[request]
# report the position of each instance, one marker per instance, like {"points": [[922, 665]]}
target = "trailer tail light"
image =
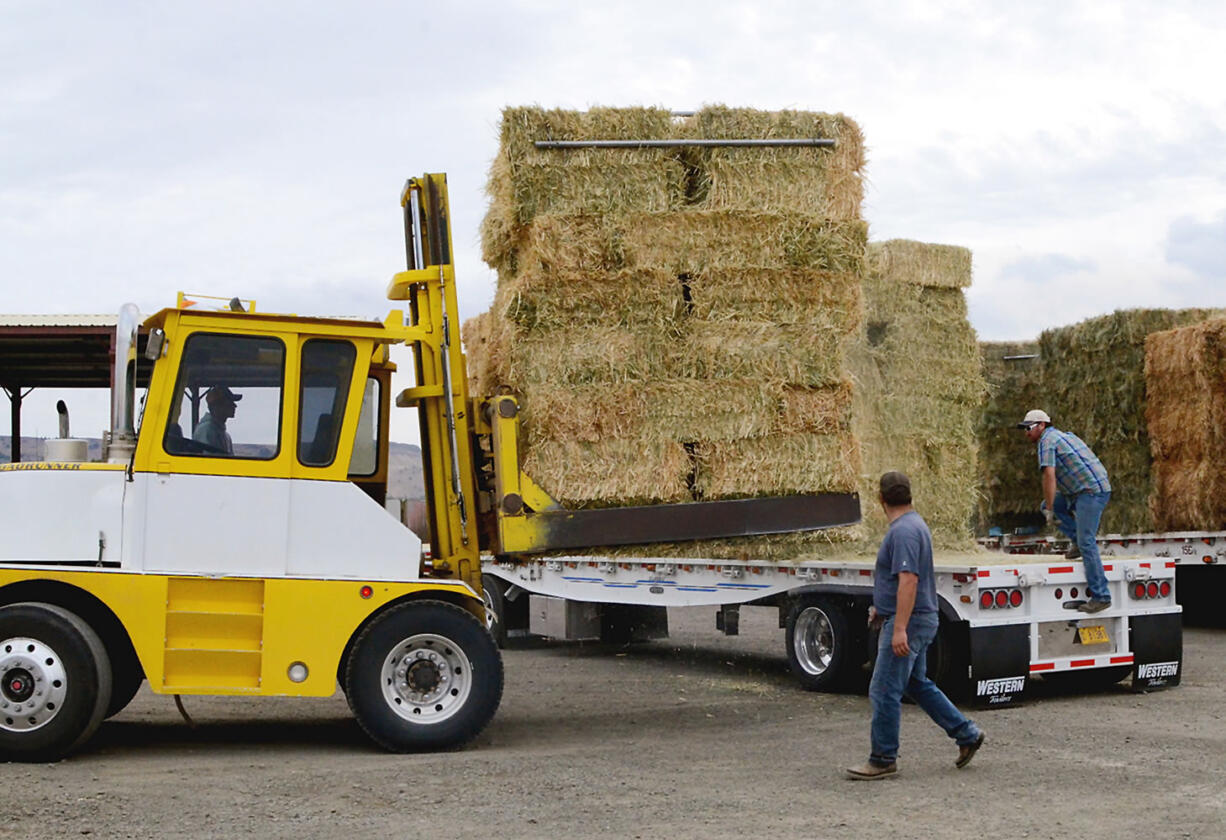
{"points": [[1000, 598], [1152, 589], [1164, 588], [1138, 590]]}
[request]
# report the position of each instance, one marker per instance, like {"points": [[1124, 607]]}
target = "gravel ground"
{"points": [[696, 736]]}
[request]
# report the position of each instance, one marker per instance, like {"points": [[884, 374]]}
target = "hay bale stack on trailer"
{"points": [[1185, 411], [674, 320], [1093, 384], [1008, 496], [919, 383]]}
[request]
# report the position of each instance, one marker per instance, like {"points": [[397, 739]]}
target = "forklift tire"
{"points": [[819, 643], [495, 608], [424, 675], [55, 682], [123, 689]]}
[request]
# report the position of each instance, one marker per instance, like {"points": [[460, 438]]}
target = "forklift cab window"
{"points": [[227, 402], [327, 370], [365, 458]]}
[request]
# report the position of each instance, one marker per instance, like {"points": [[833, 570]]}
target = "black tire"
{"points": [[820, 644], [124, 685], [492, 590], [55, 682], [424, 675]]}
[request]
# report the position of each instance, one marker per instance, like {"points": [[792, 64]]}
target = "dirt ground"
{"points": [[696, 736]]}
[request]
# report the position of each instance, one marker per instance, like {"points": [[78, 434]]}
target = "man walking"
{"points": [[905, 609], [1075, 492]]}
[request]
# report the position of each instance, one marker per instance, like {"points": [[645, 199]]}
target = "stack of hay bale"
{"points": [[1185, 381], [674, 320], [1009, 491], [1093, 384], [919, 383]]}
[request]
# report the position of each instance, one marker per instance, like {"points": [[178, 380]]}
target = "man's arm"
{"points": [[908, 584], [1049, 487]]}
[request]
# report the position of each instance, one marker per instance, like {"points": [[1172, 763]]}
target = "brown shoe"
{"points": [[868, 771], [1093, 606], [967, 752], [1073, 553]]}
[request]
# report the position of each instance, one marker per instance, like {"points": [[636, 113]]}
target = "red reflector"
{"points": [[1002, 598], [1072, 593], [1138, 590], [1152, 589], [1015, 598], [1043, 666], [1059, 593], [1060, 570], [1206, 559], [985, 599], [1164, 588], [366, 592], [1081, 663]]}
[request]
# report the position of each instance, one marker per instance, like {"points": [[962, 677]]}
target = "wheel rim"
{"points": [[814, 640], [426, 679], [33, 684], [491, 617]]}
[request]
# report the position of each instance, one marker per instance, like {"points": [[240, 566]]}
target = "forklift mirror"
{"points": [[155, 345]]}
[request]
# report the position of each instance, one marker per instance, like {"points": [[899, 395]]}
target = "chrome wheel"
{"points": [[426, 678], [814, 640], [33, 684]]}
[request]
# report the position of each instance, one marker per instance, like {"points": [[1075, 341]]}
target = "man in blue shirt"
{"points": [[1075, 492], [905, 610]]}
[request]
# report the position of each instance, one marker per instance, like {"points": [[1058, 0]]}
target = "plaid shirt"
{"points": [[1078, 470]]}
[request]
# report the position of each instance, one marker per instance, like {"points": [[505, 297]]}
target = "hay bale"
{"points": [[923, 263], [919, 385], [1185, 411], [1008, 491], [776, 465], [610, 472], [1093, 384], [822, 182]]}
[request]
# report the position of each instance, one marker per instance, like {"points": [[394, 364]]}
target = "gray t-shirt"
{"points": [[907, 547]]}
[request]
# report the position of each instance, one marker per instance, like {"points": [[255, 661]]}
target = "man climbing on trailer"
{"points": [[1075, 492], [905, 611]]}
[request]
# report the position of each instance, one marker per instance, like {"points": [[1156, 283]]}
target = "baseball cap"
{"points": [[1035, 415], [215, 394]]}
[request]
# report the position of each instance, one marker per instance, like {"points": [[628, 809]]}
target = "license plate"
{"points": [[1094, 634]]}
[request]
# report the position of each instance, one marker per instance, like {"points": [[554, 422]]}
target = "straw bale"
{"points": [[777, 465], [777, 295], [1008, 487], [922, 263], [526, 182], [536, 300], [820, 411], [818, 181], [1093, 384], [614, 471], [1185, 380], [587, 355], [804, 354]]}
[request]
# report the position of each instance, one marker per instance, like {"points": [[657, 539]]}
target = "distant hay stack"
{"points": [[1185, 381], [920, 383], [1009, 491], [1094, 385], [674, 321]]}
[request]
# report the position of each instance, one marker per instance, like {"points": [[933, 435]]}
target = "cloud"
{"points": [[1198, 245], [1045, 268]]}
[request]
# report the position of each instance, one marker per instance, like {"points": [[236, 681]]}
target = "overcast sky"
{"points": [[258, 148]]}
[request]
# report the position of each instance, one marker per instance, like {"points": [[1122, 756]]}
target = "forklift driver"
{"points": [[211, 430]]}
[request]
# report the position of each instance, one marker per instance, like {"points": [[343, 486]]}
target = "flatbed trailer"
{"points": [[1005, 620], [1199, 558]]}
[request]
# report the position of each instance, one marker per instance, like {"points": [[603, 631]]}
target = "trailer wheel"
{"points": [[55, 682], [495, 608], [424, 675], [819, 643], [123, 689]]}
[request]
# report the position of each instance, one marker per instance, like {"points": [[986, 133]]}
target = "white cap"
{"points": [[1035, 415]]}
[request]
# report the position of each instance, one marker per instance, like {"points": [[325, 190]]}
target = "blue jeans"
{"points": [[1079, 517], [894, 676]]}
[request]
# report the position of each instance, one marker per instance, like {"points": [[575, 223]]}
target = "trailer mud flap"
{"points": [[1157, 649], [1000, 664]]}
